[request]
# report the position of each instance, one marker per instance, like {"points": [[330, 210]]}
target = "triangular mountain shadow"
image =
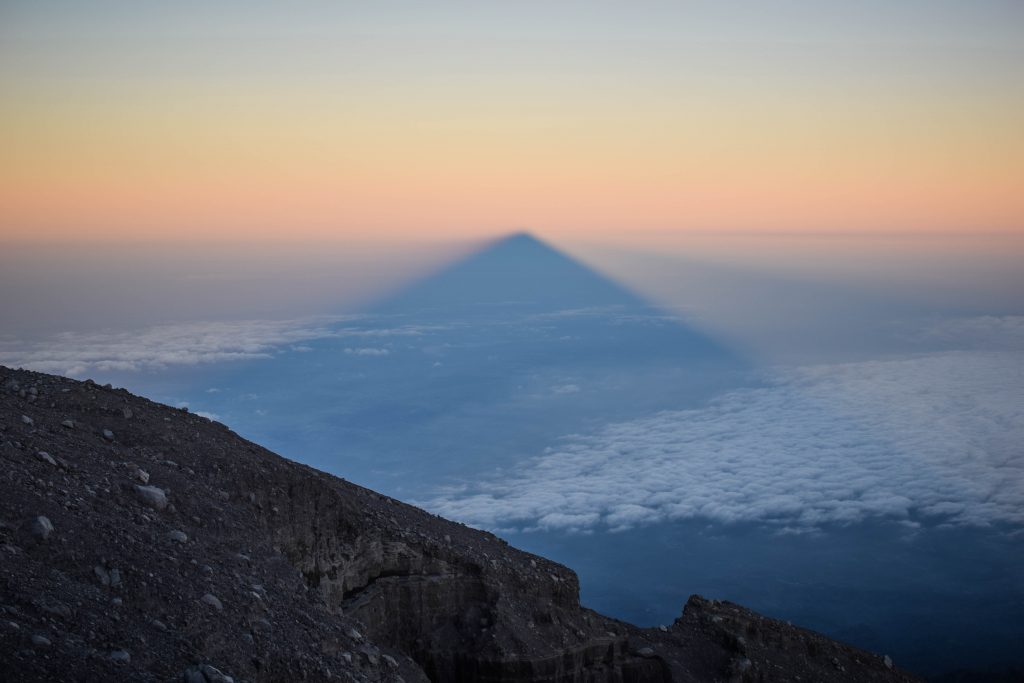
{"points": [[522, 281], [518, 272], [493, 357]]}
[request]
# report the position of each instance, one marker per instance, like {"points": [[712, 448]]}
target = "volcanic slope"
{"points": [[141, 542]]}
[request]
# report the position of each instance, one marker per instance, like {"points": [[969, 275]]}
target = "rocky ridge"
{"points": [[141, 542]]}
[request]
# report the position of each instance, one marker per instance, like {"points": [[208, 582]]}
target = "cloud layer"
{"points": [[77, 354], [154, 348], [937, 439], [987, 332], [934, 438]]}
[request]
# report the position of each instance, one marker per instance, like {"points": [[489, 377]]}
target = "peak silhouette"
{"points": [[519, 271]]}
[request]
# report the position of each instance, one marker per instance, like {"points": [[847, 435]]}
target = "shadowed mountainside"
{"points": [[141, 542]]}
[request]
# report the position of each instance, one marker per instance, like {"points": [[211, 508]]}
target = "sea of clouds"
{"points": [[933, 438], [79, 354]]}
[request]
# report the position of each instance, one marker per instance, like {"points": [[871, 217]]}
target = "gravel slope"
{"points": [[140, 542]]}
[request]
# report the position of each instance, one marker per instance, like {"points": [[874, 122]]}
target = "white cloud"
{"points": [[937, 438], [78, 354], [585, 312], [988, 332], [401, 331], [367, 352], [615, 315]]}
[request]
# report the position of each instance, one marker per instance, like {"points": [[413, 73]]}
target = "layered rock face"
{"points": [[140, 542]]}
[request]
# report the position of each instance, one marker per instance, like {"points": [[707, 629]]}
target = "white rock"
{"points": [[177, 536], [25, 419], [109, 436], [151, 496], [212, 601], [215, 675], [102, 574], [46, 457], [41, 527]]}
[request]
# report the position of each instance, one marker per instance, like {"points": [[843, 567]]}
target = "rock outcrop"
{"points": [[155, 545]]}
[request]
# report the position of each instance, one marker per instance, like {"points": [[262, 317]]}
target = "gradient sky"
{"points": [[251, 120]]}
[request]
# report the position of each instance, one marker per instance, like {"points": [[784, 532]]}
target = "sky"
{"points": [[236, 121]]}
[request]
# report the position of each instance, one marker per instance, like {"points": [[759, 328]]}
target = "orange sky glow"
{"points": [[576, 141]]}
